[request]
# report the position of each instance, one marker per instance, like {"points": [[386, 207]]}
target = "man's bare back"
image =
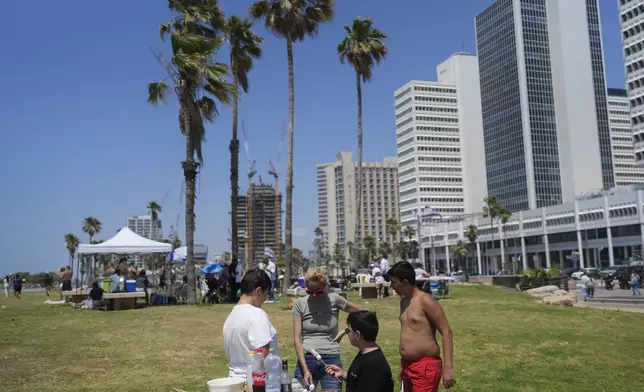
{"points": [[417, 335]]}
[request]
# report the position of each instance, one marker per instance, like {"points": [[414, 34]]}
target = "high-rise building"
{"points": [[439, 136], [543, 95], [632, 19], [142, 225], [626, 172], [337, 200], [258, 222]]}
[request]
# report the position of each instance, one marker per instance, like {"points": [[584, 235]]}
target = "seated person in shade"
{"points": [[142, 284], [369, 371], [95, 296], [114, 278]]}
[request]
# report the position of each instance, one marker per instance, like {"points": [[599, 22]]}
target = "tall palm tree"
{"points": [[472, 234], [460, 250], [369, 246], [392, 227], [195, 36], [154, 209], [384, 248], [491, 209], [244, 48], [92, 226], [504, 217], [293, 20], [71, 243], [362, 48], [402, 248]]}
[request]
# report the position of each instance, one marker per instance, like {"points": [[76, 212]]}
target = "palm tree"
{"points": [[504, 217], [384, 248], [491, 209], [91, 226], [194, 36], [293, 20], [472, 234], [363, 47], [244, 48], [352, 251], [460, 250], [338, 255], [402, 249], [71, 242], [154, 209], [409, 232], [392, 227], [176, 242], [369, 246]]}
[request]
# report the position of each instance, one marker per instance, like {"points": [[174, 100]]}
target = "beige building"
{"points": [[621, 138], [337, 199]]}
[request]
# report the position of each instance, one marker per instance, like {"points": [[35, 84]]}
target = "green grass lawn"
{"points": [[503, 342]]}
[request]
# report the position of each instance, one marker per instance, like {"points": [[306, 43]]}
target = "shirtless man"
{"points": [[420, 316]]}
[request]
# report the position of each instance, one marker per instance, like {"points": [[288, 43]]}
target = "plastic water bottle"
{"points": [[285, 380], [273, 365], [259, 371], [249, 369]]}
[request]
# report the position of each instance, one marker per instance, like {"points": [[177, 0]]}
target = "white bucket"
{"points": [[227, 385]]}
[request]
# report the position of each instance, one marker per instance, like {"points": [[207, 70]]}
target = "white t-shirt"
{"points": [[376, 271], [246, 328], [271, 269], [384, 265], [380, 279], [239, 271]]}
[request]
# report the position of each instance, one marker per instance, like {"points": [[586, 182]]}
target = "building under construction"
{"points": [[259, 218]]}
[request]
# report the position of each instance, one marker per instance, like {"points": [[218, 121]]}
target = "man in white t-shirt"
{"points": [[384, 268], [271, 270], [247, 327]]}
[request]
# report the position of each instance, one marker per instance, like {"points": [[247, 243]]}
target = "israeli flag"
{"points": [[269, 253]]}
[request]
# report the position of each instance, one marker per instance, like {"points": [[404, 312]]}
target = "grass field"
{"points": [[503, 342]]}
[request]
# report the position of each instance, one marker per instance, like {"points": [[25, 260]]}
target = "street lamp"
{"points": [[426, 213]]}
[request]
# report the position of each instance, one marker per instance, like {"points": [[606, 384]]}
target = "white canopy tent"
{"points": [[128, 242]]}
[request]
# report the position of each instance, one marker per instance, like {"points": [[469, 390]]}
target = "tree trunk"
{"points": [[190, 174], [490, 257], [288, 225], [234, 174], [358, 206]]}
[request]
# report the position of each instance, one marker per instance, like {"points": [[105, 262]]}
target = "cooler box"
{"points": [[300, 282], [106, 285], [130, 286]]}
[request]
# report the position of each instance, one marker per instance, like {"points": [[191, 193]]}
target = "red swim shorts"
{"points": [[422, 375]]}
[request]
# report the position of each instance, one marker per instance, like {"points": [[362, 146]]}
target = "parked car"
{"points": [[591, 272], [459, 276], [569, 271], [608, 273]]}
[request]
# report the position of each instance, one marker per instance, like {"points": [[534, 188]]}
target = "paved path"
{"points": [[616, 299]]}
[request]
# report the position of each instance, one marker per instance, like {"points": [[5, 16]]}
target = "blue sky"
{"points": [[80, 140]]}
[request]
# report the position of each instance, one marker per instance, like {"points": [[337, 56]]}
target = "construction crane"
{"points": [[249, 200], [274, 171]]}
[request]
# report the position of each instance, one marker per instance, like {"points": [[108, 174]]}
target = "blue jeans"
{"points": [[271, 292], [636, 287], [320, 378]]}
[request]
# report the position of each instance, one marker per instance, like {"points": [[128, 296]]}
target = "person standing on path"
{"points": [[421, 316], [17, 286], [271, 269], [315, 326], [384, 269], [635, 283]]}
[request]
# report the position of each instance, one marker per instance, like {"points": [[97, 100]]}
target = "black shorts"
{"points": [[67, 285], [17, 289]]}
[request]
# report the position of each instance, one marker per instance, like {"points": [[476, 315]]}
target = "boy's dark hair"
{"points": [[253, 279], [402, 270], [94, 284], [366, 322]]}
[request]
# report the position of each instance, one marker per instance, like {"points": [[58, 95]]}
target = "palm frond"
{"points": [[157, 91], [208, 108]]}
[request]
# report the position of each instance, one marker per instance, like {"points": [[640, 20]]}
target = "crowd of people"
{"points": [[316, 330]]}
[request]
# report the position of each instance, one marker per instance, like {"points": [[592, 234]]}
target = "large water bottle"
{"points": [[273, 365]]}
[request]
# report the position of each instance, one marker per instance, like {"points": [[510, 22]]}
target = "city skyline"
{"points": [[82, 168]]}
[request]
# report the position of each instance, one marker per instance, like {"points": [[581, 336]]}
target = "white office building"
{"points": [[543, 95], [337, 200], [632, 19], [439, 137], [621, 137], [142, 225]]}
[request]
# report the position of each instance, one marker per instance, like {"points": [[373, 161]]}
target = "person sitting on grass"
{"points": [[369, 371], [95, 296]]}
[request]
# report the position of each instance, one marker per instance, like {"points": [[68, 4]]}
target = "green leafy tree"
{"points": [[293, 20], [370, 247], [91, 226], [195, 35], [472, 234], [362, 47], [491, 208], [392, 227], [244, 49], [71, 243]]}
